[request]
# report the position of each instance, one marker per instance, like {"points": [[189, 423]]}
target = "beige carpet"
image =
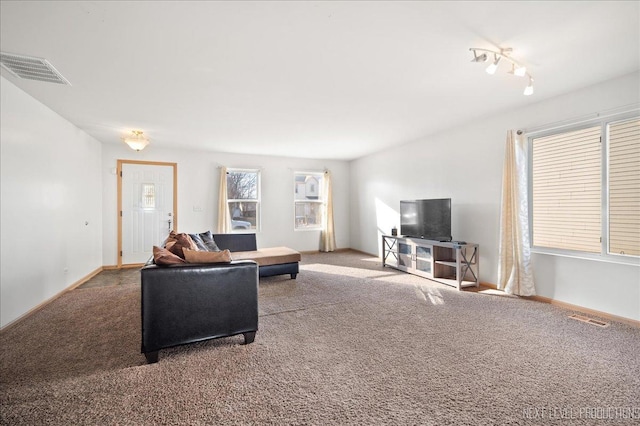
{"points": [[348, 342]]}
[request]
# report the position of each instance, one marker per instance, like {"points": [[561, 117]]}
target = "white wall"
{"points": [[466, 164], [54, 178], [51, 209], [198, 180]]}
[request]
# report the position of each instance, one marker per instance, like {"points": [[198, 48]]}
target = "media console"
{"points": [[452, 263]]}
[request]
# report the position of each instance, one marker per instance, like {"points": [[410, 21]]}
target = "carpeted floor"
{"points": [[348, 342]]}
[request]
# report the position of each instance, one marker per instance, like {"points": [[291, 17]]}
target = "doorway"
{"points": [[147, 208]]}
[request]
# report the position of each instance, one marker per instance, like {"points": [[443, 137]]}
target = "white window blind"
{"points": [[624, 187], [566, 190]]}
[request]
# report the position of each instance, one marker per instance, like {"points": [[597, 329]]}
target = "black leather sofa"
{"points": [[184, 304]]}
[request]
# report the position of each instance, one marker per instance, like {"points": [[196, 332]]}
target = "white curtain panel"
{"points": [[224, 218], [515, 274], [327, 235]]}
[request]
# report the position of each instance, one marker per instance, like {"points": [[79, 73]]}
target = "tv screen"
{"points": [[428, 219]]}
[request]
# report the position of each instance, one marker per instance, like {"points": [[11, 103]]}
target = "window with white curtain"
{"points": [[308, 200], [585, 189], [243, 199]]}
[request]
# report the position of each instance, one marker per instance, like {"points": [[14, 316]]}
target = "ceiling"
{"points": [[331, 80]]}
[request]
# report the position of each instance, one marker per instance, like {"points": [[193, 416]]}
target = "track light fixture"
{"points": [[479, 58], [480, 55], [529, 89], [491, 69]]}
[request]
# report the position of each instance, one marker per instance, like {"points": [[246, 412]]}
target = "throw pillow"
{"points": [[182, 241], [197, 239], [192, 256], [207, 238], [171, 239], [163, 256]]}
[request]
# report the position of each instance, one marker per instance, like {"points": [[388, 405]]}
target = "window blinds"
{"points": [[566, 190], [624, 187]]}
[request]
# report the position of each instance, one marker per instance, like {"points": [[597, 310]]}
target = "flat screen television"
{"points": [[428, 219]]}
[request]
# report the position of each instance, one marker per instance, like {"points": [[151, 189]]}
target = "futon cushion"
{"points": [[268, 256], [192, 256]]}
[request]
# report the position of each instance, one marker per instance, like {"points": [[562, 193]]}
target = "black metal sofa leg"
{"points": [[249, 337], [152, 357]]}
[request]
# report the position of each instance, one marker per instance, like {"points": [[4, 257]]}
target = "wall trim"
{"points": [[340, 250], [51, 299], [571, 307], [127, 266]]}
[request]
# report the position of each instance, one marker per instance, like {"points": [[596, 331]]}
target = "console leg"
{"points": [[249, 337], [152, 357], [293, 276]]}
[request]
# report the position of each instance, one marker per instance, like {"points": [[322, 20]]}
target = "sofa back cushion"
{"points": [[236, 242]]}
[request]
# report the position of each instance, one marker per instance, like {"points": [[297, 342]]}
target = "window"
{"points": [[624, 187], [585, 189], [243, 199], [148, 196], [308, 200]]}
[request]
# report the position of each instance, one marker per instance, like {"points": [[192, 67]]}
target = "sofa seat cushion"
{"points": [[268, 256]]}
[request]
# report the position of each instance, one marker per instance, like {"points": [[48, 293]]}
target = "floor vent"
{"points": [[589, 320], [31, 68]]}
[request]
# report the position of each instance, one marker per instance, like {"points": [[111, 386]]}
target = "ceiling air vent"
{"points": [[31, 68]]}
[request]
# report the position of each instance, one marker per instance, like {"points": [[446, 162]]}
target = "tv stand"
{"points": [[452, 263]]}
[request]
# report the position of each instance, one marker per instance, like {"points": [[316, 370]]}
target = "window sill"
{"points": [[621, 260]]}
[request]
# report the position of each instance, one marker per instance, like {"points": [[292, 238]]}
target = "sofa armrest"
{"points": [[190, 303]]}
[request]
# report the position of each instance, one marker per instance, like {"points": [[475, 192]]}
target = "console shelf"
{"points": [[448, 263]]}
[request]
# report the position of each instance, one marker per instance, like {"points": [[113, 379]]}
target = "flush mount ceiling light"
{"points": [[517, 69], [136, 140]]}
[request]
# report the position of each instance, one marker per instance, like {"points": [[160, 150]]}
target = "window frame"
{"points": [[322, 201], [603, 122], [257, 200]]}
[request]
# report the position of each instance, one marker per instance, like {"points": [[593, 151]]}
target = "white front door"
{"points": [[147, 209]]}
